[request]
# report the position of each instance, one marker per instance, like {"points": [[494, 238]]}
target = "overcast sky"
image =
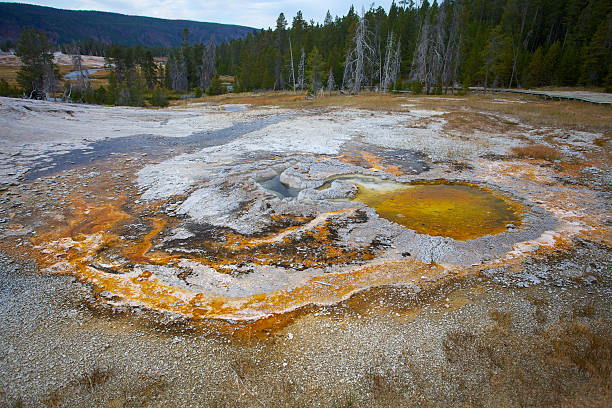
{"points": [[255, 13]]}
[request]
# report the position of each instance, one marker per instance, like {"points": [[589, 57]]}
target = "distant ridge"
{"points": [[63, 26]]}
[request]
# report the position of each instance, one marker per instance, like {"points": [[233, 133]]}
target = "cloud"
{"points": [[256, 13]]}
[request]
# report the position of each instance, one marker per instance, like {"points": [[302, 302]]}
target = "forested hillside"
{"points": [[506, 43], [65, 26]]}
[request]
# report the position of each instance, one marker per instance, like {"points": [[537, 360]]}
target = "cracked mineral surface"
{"points": [[244, 218]]}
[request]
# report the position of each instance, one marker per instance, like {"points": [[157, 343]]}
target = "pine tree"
{"points": [[608, 81], [596, 57], [149, 69], [328, 19], [315, 70], [38, 73], [551, 63], [537, 69], [281, 24], [491, 55], [568, 70]]}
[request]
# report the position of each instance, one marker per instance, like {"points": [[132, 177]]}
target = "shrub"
{"points": [[99, 96], [76, 95], [437, 90], [536, 151], [159, 97], [216, 87], [197, 92], [608, 81], [416, 88], [465, 86], [7, 90], [398, 85]]}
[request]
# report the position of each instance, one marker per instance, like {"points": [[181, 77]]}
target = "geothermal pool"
{"points": [[456, 210]]}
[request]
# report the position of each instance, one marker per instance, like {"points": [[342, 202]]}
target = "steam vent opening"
{"points": [[456, 210], [276, 187]]}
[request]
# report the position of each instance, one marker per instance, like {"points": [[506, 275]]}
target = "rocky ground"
{"points": [[213, 254]]}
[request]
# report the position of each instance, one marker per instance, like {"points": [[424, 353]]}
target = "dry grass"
{"points": [[243, 367], [290, 100], [536, 151], [384, 387], [565, 363], [140, 391], [547, 369], [64, 69], [88, 381], [535, 111], [570, 114], [468, 122], [501, 318], [9, 74], [583, 310], [344, 402]]}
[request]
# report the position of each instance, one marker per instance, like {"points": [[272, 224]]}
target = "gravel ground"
{"points": [[460, 344]]}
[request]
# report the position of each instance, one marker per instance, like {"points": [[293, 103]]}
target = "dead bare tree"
{"points": [[208, 69], [397, 61], [49, 81], [77, 66], [177, 71], [391, 67], [451, 51], [520, 38], [437, 53], [301, 69], [292, 69], [421, 69], [377, 66], [330, 81], [359, 58]]}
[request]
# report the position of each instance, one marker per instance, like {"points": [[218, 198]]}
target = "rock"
{"points": [[311, 173], [337, 189]]}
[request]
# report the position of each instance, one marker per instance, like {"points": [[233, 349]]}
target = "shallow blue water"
{"points": [[75, 74]]}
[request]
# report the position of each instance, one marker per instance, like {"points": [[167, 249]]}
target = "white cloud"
{"points": [[258, 14]]}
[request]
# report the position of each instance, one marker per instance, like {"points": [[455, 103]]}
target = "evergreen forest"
{"points": [[424, 47], [495, 43]]}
